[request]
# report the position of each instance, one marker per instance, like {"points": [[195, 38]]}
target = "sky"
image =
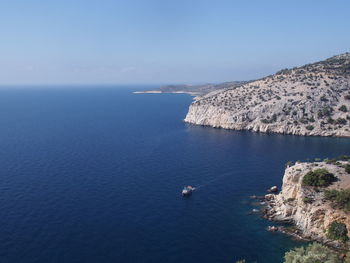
{"points": [[164, 42]]}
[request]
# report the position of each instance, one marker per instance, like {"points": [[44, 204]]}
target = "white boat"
{"points": [[187, 190]]}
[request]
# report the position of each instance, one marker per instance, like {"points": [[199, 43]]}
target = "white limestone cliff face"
{"points": [[313, 219], [310, 100]]}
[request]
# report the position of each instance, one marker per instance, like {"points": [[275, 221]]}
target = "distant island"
{"points": [[194, 90], [310, 100]]}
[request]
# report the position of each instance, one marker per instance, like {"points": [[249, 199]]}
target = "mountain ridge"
{"points": [[194, 90]]}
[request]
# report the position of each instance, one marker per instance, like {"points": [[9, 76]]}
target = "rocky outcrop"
{"points": [[309, 100], [305, 206]]}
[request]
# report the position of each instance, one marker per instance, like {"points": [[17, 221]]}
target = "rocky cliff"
{"points": [[307, 206], [309, 100]]}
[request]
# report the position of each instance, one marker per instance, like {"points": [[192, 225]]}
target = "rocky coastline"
{"points": [[311, 100], [306, 208]]}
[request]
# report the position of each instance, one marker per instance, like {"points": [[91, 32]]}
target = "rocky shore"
{"points": [[306, 207], [311, 100]]}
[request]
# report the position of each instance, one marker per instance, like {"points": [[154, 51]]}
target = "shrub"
{"points": [[289, 163], [341, 121], [310, 127], [323, 98], [347, 168], [343, 108], [313, 253], [331, 161], [340, 158], [282, 71], [338, 231], [330, 120], [341, 198], [343, 158], [325, 112], [304, 121], [319, 177], [308, 200], [273, 119]]}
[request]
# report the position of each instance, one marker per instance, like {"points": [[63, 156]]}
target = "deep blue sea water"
{"points": [[94, 175]]}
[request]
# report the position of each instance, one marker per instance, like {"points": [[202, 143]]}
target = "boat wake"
{"points": [[213, 180]]}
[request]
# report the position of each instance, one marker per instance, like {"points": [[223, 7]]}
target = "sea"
{"points": [[95, 173]]}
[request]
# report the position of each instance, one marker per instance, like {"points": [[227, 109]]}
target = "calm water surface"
{"points": [[95, 174]]}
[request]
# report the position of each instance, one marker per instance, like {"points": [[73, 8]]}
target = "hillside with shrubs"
{"points": [[310, 100], [315, 198]]}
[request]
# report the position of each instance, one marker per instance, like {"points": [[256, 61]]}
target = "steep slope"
{"points": [[307, 207], [309, 100]]}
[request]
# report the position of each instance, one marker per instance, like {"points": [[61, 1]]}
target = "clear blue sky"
{"points": [[161, 41]]}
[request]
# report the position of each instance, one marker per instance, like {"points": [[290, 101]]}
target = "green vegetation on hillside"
{"points": [[313, 253], [341, 198], [347, 168], [343, 108], [310, 127], [289, 163], [319, 177], [338, 231], [308, 200], [340, 158]]}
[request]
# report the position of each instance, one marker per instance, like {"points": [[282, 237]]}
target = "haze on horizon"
{"points": [[162, 41]]}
